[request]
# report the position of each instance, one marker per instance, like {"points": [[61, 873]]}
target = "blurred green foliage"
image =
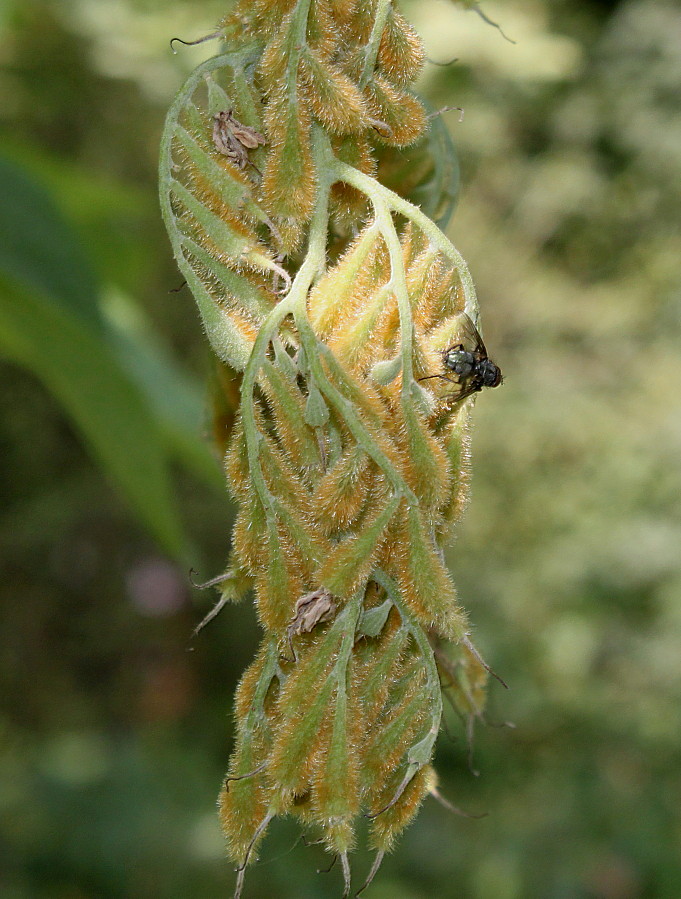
{"points": [[114, 723]]}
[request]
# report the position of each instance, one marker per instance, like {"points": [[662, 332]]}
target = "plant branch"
{"points": [[378, 192], [372, 48]]}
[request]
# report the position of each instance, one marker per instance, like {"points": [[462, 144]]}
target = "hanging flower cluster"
{"points": [[349, 455]]}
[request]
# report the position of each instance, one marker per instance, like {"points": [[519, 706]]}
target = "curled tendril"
{"points": [[200, 40]]}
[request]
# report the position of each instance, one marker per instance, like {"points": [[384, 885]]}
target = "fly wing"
{"points": [[465, 337], [470, 338], [463, 387], [466, 388]]}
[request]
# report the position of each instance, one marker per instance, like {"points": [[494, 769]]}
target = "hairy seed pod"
{"points": [[401, 116], [401, 55], [334, 99]]}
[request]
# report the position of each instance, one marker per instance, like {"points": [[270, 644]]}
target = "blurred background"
{"points": [[115, 724]]}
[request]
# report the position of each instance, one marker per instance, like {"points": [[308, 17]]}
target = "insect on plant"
{"points": [[469, 363]]}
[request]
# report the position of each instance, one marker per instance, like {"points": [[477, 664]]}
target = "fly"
{"points": [[470, 366]]}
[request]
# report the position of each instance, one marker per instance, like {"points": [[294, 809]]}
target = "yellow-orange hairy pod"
{"points": [[336, 101], [353, 321], [400, 55]]}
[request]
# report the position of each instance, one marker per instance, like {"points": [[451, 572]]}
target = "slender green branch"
{"points": [[256, 713], [421, 638], [398, 278], [372, 48], [353, 611], [346, 409], [298, 31], [420, 753], [293, 302], [376, 191]]}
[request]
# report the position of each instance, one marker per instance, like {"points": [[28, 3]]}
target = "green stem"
{"points": [[352, 612], [377, 192], [299, 33], [398, 279], [256, 714], [347, 410], [372, 48], [293, 302], [314, 263], [426, 650]]}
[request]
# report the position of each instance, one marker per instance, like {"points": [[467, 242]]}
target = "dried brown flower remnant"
{"points": [[312, 609], [233, 139]]}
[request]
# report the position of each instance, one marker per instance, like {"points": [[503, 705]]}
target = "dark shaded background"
{"points": [[115, 724]]}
